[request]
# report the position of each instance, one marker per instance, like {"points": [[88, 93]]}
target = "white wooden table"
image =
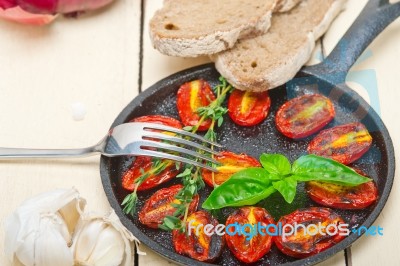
{"points": [[99, 63]]}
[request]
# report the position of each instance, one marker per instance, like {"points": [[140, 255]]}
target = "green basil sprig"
{"points": [[252, 185]]}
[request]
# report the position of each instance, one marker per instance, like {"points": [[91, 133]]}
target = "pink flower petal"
{"points": [[17, 14]]}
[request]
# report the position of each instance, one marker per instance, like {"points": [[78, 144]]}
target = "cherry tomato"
{"points": [[191, 96], [158, 173], [304, 116], [245, 250], [159, 119], [165, 171], [159, 205], [230, 164], [345, 143], [343, 197], [324, 229], [195, 243], [248, 108]]}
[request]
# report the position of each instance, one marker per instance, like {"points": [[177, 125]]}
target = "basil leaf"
{"points": [[316, 168], [275, 164], [246, 187], [287, 188]]}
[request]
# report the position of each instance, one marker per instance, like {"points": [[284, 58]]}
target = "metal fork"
{"points": [[138, 139]]}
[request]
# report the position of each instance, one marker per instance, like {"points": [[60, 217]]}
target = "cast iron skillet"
{"points": [[326, 78]]}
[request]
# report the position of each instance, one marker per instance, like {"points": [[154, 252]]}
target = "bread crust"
{"points": [[285, 5], [284, 66]]}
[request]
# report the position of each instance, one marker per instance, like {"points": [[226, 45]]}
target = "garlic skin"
{"points": [[39, 232], [102, 241]]}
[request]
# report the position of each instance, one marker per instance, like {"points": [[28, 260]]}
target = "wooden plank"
{"points": [[340, 25], [152, 258], [48, 75], [336, 260]]}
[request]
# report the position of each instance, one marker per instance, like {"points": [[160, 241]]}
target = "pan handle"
{"points": [[374, 18]]}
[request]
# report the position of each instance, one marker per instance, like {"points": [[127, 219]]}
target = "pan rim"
{"points": [[180, 259]]}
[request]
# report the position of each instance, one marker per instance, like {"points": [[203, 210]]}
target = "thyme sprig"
{"points": [[130, 201], [191, 176]]}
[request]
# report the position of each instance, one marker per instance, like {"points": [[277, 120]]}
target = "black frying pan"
{"points": [[326, 78]]}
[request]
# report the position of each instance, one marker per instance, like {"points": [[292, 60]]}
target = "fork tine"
{"points": [[178, 131], [176, 158], [160, 145], [161, 136]]}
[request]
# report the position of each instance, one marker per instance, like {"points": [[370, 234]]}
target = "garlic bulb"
{"points": [[51, 229], [102, 241], [39, 232]]}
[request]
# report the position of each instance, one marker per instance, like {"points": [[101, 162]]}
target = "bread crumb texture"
{"points": [[193, 28], [270, 60]]}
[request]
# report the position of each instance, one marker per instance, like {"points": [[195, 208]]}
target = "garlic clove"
{"points": [[86, 239], [128, 238], [109, 250], [61, 226], [114, 245], [71, 213], [50, 246], [46, 244]]}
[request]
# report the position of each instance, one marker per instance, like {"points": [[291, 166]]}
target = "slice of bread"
{"points": [[285, 5], [193, 28], [270, 60]]}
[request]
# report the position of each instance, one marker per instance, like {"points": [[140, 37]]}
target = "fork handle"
{"points": [[16, 153]]}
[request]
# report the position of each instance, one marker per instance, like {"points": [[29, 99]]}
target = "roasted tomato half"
{"points": [[159, 171], [248, 108], [230, 164], [343, 197], [304, 116], [345, 143], [191, 96], [159, 205], [306, 232], [195, 243], [159, 119], [249, 248]]}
